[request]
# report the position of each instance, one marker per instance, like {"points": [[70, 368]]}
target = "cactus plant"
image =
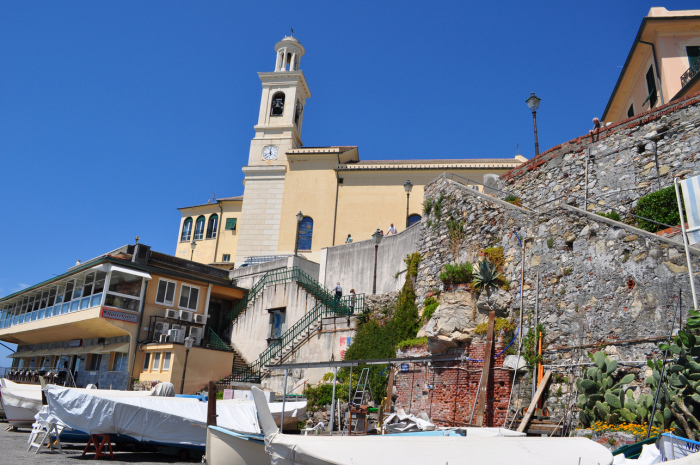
{"points": [[603, 398], [678, 406]]}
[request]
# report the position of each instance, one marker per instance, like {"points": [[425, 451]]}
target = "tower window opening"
{"points": [[298, 112], [277, 104]]}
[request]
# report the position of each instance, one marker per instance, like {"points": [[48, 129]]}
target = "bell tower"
{"points": [[281, 116]]}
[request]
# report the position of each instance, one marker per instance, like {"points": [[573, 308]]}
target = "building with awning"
{"points": [[122, 316]]}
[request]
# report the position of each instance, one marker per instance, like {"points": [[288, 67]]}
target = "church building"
{"points": [[301, 199]]}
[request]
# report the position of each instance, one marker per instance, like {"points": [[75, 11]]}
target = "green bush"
{"points": [[427, 206], [429, 309], [457, 274], [659, 206], [373, 340], [413, 342], [613, 215]]}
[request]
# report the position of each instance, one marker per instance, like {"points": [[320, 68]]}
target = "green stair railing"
{"points": [[327, 305], [312, 286], [215, 341]]}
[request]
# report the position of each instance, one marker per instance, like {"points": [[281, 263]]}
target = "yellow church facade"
{"points": [[301, 199]]}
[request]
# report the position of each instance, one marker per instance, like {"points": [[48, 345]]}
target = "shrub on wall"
{"points": [[430, 305], [659, 206], [457, 274], [495, 256]]}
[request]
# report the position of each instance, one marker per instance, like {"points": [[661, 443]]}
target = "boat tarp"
{"points": [[26, 396], [420, 450], [169, 420]]}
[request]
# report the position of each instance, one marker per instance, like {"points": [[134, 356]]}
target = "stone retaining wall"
{"points": [[603, 284]]}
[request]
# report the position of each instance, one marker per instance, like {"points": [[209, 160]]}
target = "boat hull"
{"points": [[226, 447], [19, 417]]}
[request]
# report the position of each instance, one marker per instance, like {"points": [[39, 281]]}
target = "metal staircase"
{"points": [[327, 305], [213, 341]]}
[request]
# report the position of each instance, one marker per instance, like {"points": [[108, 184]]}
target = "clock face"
{"points": [[270, 153]]}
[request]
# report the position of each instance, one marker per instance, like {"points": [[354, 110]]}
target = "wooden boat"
{"points": [[226, 447]]}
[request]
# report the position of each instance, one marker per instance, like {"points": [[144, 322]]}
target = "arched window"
{"points": [[413, 219], [277, 104], [199, 229], [213, 226], [306, 232], [186, 230]]}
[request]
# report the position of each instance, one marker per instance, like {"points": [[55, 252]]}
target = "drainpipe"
{"points": [[138, 330], [218, 229], [206, 305], [656, 68]]}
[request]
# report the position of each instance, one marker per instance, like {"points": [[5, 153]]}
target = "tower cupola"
{"points": [[289, 53]]}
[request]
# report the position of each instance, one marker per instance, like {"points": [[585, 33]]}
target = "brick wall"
{"points": [[448, 391]]}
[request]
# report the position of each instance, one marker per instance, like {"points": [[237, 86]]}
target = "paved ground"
{"points": [[13, 450]]}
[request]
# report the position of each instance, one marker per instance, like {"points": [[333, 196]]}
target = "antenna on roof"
{"points": [[292, 31], [212, 199], [517, 148]]}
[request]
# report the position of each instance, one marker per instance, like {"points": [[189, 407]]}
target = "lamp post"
{"points": [[533, 103], [193, 244], [407, 187], [189, 341], [376, 238], [300, 216]]}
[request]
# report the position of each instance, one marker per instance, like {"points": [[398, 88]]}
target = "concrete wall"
{"points": [[246, 277], [353, 264], [330, 343]]}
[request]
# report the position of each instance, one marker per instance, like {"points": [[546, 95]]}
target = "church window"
{"points": [[199, 229], [277, 104], [186, 230], [413, 219], [651, 87], [213, 226], [306, 232]]}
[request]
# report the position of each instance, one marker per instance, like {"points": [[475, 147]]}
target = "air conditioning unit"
{"points": [[185, 315], [196, 333], [171, 313], [163, 338], [175, 326], [162, 327], [200, 319], [176, 335]]}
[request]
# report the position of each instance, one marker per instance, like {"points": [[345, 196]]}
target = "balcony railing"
{"points": [[690, 74]]}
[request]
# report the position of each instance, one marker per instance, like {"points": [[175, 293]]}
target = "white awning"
{"points": [[118, 347], [25, 353], [142, 274]]}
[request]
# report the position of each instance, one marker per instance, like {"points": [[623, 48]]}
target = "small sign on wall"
{"points": [[404, 367], [117, 315], [228, 394]]}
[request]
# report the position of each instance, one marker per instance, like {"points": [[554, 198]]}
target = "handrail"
{"points": [[327, 305], [279, 276], [216, 341]]}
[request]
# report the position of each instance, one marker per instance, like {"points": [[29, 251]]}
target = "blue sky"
{"points": [[114, 114]]}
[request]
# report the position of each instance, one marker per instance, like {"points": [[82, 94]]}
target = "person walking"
{"points": [[338, 291]]}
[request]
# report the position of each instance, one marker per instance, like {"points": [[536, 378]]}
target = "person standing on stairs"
{"points": [[338, 291]]}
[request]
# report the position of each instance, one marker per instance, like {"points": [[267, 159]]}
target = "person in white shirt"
{"points": [[338, 290], [392, 229]]}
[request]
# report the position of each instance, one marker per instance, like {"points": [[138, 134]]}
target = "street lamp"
{"points": [[300, 216], [189, 342], [407, 187], [376, 239], [533, 103], [193, 244]]}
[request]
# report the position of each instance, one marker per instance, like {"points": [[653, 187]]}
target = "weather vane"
{"points": [[292, 31]]}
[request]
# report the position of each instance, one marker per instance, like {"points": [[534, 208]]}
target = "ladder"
{"points": [[361, 387]]}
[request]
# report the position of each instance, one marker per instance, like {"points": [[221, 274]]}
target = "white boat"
{"points": [[20, 402], [225, 447], [421, 450], [162, 420]]}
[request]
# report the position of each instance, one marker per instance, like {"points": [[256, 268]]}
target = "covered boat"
{"points": [[161, 420], [20, 402], [420, 450]]}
